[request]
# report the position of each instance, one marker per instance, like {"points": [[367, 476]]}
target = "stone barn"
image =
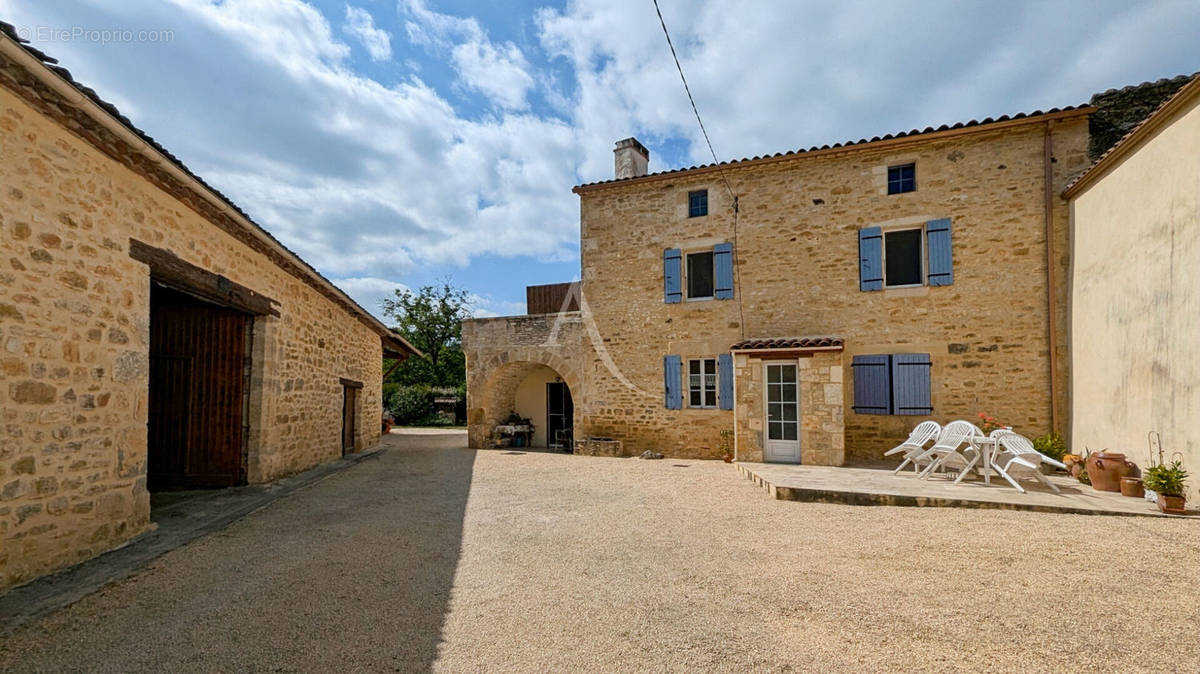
{"points": [[151, 335]]}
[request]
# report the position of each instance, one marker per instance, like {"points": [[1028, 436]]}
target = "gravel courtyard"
{"points": [[435, 557]]}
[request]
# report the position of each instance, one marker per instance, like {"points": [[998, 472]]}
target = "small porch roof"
{"points": [[771, 344]]}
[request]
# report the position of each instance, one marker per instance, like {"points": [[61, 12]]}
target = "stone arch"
{"points": [[492, 385]]}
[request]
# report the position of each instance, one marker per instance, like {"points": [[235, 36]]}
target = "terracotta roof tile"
{"points": [[788, 343], [851, 143]]}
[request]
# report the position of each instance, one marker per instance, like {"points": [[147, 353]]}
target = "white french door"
{"points": [[782, 412]]}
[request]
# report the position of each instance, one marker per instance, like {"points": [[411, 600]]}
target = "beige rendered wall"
{"points": [[531, 400], [1136, 300], [797, 255], [74, 317]]}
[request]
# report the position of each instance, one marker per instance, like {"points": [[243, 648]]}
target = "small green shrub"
{"points": [[1051, 445], [411, 405], [1164, 479]]}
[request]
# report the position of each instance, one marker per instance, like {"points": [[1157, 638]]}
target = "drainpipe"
{"points": [[1051, 286]]}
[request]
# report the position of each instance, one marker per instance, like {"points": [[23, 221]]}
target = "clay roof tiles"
{"points": [[773, 343]]}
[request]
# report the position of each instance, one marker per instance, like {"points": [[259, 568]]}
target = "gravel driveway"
{"points": [[436, 557]]}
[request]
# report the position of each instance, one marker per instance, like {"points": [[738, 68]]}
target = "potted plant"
{"points": [[726, 445], [388, 420], [1051, 445], [1168, 482]]}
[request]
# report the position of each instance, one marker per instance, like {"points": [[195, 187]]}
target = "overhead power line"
{"points": [[692, 100], [737, 268]]}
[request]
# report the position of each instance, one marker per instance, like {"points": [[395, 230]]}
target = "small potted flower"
{"points": [[1168, 482]]}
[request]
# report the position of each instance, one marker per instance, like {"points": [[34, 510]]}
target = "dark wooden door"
{"points": [[560, 410], [349, 417], [197, 392]]}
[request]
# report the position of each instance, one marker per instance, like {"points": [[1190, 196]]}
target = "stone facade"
{"points": [[74, 333], [501, 353], [822, 422], [796, 262]]}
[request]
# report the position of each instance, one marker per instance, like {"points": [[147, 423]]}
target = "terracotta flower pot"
{"points": [[1132, 487], [728, 458], [1106, 470], [1172, 504]]}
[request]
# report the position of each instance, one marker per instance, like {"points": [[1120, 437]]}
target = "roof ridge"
{"points": [[854, 143]]}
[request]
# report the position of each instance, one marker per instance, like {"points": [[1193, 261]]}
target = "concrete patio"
{"points": [[878, 486]]}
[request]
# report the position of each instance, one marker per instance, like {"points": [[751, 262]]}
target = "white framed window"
{"points": [[702, 382], [904, 258]]}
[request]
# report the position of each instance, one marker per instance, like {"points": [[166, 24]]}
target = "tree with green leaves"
{"points": [[431, 320]]}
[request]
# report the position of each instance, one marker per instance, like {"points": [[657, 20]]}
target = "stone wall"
{"points": [[1119, 110], [501, 353], [796, 256], [74, 327], [822, 422]]}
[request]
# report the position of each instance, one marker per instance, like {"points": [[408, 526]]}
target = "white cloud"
{"points": [[359, 178], [370, 292], [376, 41], [769, 78], [498, 71]]}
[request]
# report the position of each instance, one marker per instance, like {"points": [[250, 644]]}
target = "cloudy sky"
{"points": [[398, 142]]}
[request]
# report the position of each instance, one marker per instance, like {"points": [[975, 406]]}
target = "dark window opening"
{"points": [[697, 203], [902, 257], [902, 179], [700, 275]]}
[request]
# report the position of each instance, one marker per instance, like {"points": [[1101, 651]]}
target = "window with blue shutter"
{"points": [[725, 380], [941, 260], [870, 259], [723, 261], [872, 384], [672, 276], [673, 382], [910, 384], [892, 384]]}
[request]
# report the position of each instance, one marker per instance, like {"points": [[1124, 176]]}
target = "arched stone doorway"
{"points": [[539, 386]]}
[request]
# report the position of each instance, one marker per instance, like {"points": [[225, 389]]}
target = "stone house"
{"points": [[818, 303], [151, 335], [1135, 290]]}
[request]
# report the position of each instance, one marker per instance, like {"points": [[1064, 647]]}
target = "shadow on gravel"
{"points": [[353, 573], [431, 549]]}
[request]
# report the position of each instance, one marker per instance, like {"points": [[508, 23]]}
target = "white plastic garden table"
{"points": [[985, 450]]}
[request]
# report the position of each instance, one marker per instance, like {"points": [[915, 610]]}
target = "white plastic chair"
{"points": [[948, 451], [914, 447], [1015, 457]]}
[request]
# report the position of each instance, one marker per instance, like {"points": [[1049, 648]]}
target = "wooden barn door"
{"points": [[198, 380]]}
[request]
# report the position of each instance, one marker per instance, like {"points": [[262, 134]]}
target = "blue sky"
{"points": [[395, 142]]}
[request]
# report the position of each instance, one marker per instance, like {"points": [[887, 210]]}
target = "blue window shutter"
{"points": [[872, 384], [672, 276], [910, 384], [725, 381], [870, 259], [673, 382], [941, 260], [723, 261]]}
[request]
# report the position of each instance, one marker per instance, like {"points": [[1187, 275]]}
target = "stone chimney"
{"points": [[631, 158]]}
